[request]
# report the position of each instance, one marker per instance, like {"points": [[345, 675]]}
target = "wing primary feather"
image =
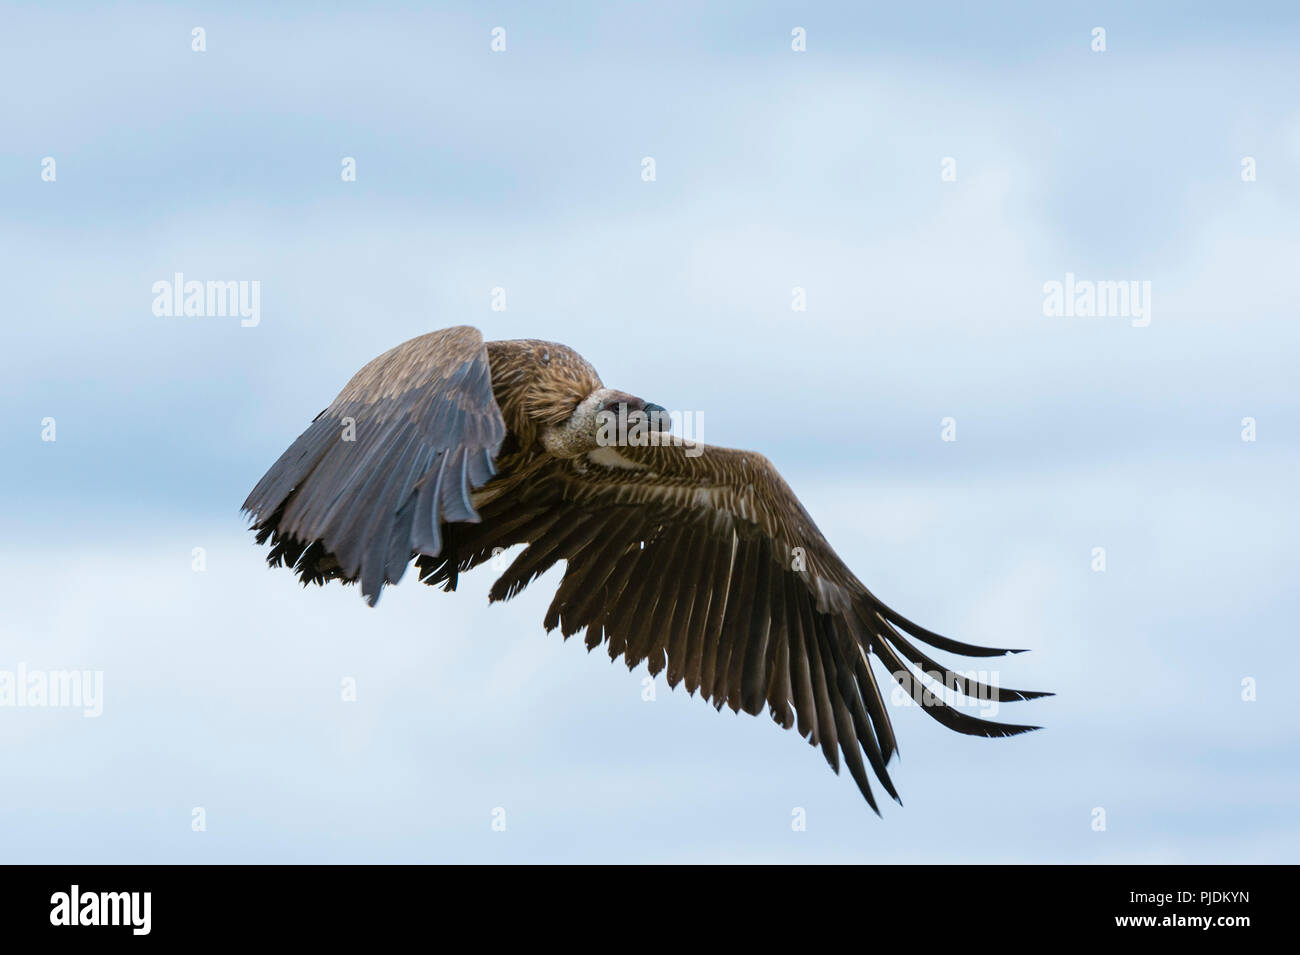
{"points": [[713, 632], [869, 691], [292, 467], [647, 626], [427, 535], [675, 559], [849, 741], [713, 564], [381, 523], [940, 711], [481, 469], [961, 683], [938, 641], [779, 690], [825, 708], [456, 504], [345, 520], [679, 625], [805, 706], [320, 507], [631, 604], [845, 649], [399, 544], [753, 678], [731, 634]]}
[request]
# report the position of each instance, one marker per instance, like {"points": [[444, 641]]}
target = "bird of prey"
{"points": [[698, 560]]}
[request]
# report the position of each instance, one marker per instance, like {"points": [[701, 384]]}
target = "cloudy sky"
{"points": [[522, 170]]}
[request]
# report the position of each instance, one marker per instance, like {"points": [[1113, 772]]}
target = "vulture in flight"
{"points": [[698, 560]]}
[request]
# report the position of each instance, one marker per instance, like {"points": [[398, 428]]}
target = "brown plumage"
{"points": [[698, 560]]}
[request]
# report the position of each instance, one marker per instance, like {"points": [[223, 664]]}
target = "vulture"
{"points": [[699, 561]]}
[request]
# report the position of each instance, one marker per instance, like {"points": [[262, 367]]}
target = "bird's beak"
{"points": [[658, 417]]}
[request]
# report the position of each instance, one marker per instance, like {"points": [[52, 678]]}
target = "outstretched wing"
{"points": [[701, 561], [391, 461]]}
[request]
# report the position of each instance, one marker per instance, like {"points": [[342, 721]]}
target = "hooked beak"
{"points": [[658, 417]]}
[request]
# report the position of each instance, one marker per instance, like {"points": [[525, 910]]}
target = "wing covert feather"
{"points": [[394, 458]]}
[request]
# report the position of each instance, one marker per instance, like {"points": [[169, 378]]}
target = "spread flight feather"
{"points": [[698, 560]]}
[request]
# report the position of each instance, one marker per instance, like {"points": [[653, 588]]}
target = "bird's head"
{"points": [[605, 418]]}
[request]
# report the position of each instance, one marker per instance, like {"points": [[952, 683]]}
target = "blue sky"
{"points": [[774, 169]]}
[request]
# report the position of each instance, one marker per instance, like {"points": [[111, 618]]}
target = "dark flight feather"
{"points": [[698, 561]]}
